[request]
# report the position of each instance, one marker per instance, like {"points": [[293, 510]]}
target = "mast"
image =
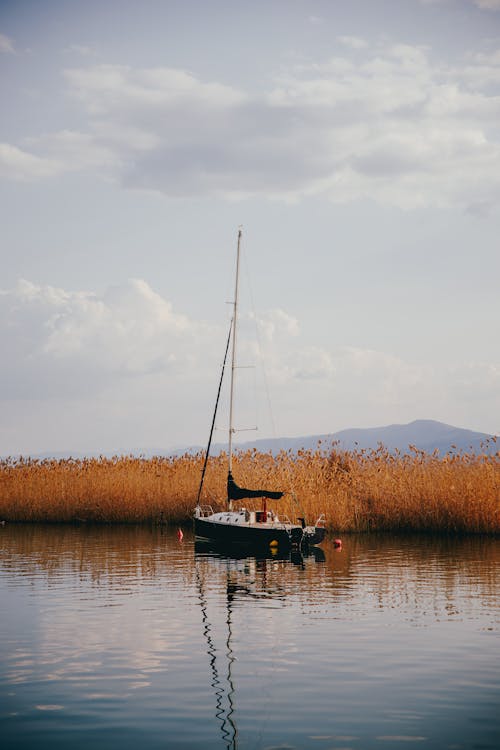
{"points": [[233, 356]]}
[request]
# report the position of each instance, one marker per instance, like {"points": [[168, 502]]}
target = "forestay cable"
{"points": [[215, 414]]}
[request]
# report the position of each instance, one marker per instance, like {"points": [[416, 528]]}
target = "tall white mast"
{"points": [[233, 356]]}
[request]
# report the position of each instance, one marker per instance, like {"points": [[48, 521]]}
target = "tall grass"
{"points": [[357, 491]]}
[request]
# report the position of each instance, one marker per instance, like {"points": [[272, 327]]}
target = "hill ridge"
{"points": [[424, 434]]}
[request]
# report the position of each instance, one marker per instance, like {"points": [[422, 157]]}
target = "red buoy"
{"points": [[180, 535], [337, 543]]}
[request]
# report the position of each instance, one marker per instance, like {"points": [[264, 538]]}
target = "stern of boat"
{"points": [[315, 534]]}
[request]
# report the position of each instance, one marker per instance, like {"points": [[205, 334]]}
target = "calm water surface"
{"points": [[126, 638]]}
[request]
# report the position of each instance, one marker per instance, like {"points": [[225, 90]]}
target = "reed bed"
{"points": [[357, 491]]}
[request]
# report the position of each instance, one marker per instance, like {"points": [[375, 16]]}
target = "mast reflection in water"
{"points": [[224, 696], [239, 581]]}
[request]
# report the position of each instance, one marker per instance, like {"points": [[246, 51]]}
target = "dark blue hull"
{"points": [[256, 537], [314, 535]]}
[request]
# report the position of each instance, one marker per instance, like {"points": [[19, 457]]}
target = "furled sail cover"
{"points": [[238, 493]]}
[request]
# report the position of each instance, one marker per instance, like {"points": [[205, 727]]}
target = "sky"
{"points": [[357, 144]]}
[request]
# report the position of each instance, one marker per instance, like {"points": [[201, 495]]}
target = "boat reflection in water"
{"points": [[245, 576], [218, 551]]}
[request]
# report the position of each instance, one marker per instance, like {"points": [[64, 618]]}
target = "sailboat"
{"points": [[241, 526]]}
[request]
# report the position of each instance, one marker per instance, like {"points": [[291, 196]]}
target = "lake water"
{"points": [[129, 638]]}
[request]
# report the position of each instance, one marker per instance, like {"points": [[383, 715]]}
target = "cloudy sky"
{"points": [[358, 143]]}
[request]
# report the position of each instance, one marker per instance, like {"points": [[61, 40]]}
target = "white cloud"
{"points": [[57, 342], [112, 357], [106, 151], [393, 379], [276, 321], [78, 152], [111, 88], [482, 4], [120, 330], [81, 49], [355, 42], [353, 386], [488, 4], [16, 164], [477, 381], [394, 126], [311, 363], [6, 45]]}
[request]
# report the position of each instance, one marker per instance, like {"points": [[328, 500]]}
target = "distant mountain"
{"points": [[424, 434]]}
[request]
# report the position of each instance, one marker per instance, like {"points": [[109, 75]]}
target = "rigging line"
{"points": [[259, 347], [288, 470], [215, 414]]}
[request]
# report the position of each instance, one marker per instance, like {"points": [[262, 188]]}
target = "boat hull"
{"points": [[314, 535], [257, 536]]}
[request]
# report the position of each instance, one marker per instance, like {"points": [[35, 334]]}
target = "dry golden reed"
{"points": [[356, 490]]}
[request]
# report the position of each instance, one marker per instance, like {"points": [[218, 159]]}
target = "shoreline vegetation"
{"points": [[358, 491]]}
